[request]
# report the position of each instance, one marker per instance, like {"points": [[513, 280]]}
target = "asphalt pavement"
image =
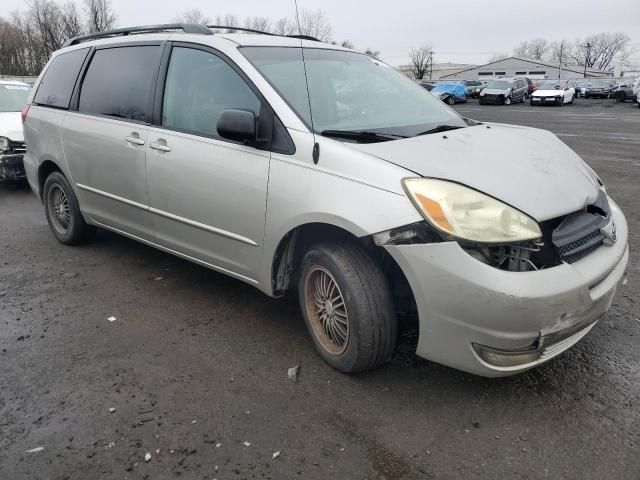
{"points": [[192, 373]]}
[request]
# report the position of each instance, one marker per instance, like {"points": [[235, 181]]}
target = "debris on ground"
{"points": [[624, 282], [147, 456], [70, 275], [35, 450], [293, 373], [247, 444], [218, 445], [275, 455], [112, 319], [112, 410]]}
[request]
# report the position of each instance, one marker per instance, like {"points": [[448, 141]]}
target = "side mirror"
{"points": [[238, 125]]}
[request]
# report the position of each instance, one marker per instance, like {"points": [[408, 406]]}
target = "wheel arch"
{"points": [[292, 246], [45, 169]]}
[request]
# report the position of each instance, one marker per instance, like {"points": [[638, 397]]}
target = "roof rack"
{"points": [[185, 27], [261, 32]]}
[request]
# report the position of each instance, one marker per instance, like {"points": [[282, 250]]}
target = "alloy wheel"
{"points": [[59, 209], [326, 310]]}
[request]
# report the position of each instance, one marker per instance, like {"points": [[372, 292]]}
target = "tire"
{"points": [[450, 100], [365, 326], [506, 101], [63, 213], [620, 97], [587, 96], [573, 97]]}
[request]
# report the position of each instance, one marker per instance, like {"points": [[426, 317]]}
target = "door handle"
{"points": [[159, 146], [136, 140]]}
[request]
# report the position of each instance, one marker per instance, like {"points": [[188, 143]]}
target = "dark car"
{"points": [[599, 88], [623, 92], [531, 87], [474, 87], [505, 91]]}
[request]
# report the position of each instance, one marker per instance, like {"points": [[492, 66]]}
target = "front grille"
{"points": [[574, 251], [579, 233], [17, 148]]}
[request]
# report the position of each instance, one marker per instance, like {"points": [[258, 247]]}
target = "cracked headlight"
{"points": [[467, 214]]}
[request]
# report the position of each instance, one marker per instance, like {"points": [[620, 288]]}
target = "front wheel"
{"points": [[450, 100], [347, 307], [507, 101], [63, 213], [620, 97]]}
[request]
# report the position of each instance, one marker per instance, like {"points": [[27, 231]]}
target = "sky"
{"points": [[462, 31]]}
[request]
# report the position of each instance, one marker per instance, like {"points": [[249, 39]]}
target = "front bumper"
{"points": [[463, 302], [12, 168], [545, 100]]}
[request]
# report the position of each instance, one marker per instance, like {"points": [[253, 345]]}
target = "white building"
{"points": [[438, 71], [523, 67]]}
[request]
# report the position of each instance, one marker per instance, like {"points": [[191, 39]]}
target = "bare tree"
{"points": [[258, 23], [100, 15], [284, 26], [599, 50], [315, 24], [192, 15], [230, 20], [71, 20], [559, 53], [347, 44], [421, 60], [535, 49], [373, 53]]}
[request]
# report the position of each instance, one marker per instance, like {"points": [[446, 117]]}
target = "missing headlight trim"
{"points": [[419, 232], [520, 257]]}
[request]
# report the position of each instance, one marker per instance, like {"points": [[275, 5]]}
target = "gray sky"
{"points": [[466, 31]]}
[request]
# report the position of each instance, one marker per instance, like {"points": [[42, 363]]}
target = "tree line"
{"points": [[29, 36], [597, 51]]}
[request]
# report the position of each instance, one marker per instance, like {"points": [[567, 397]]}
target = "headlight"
{"points": [[467, 214], [4, 144]]}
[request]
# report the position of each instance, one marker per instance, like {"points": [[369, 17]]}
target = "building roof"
{"points": [[570, 68]]}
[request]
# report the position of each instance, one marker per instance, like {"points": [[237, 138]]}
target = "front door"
{"points": [[105, 139], [207, 195]]}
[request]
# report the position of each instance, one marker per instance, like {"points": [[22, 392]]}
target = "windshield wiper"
{"points": [[440, 128], [362, 136]]}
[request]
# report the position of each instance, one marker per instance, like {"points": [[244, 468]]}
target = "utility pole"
{"points": [[430, 64], [586, 57]]}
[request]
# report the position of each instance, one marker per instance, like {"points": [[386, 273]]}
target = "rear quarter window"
{"points": [[118, 82], [57, 84]]}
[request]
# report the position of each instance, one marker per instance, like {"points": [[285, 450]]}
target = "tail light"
{"points": [[25, 110]]}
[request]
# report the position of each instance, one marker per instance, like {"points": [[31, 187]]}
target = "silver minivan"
{"points": [[294, 165]]}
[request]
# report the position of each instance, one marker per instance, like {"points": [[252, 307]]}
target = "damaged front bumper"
{"points": [[492, 322], [12, 168]]}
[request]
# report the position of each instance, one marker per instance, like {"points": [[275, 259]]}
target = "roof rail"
{"points": [[261, 32], [185, 27]]}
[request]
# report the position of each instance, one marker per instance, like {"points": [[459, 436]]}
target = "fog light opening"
{"points": [[505, 359]]}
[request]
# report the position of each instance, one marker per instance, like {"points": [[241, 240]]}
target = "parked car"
{"points": [[531, 87], [330, 174], [580, 87], [450, 92], [553, 92], [505, 91], [427, 85], [636, 91], [13, 97], [474, 87], [624, 91], [599, 88]]}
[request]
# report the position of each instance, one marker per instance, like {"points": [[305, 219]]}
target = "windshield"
{"points": [[551, 85], [499, 84], [350, 91], [13, 97]]}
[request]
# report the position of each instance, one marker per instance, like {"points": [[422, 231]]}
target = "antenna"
{"points": [[316, 147]]}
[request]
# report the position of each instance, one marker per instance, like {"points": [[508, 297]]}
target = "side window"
{"points": [[57, 84], [118, 82], [198, 88]]}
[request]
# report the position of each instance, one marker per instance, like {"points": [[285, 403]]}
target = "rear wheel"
{"points": [[347, 307], [63, 213], [620, 97]]}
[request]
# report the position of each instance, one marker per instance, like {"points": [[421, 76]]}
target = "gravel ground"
{"points": [[193, 370]]}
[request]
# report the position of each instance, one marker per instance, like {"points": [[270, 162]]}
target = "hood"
{"points": [[11, 126], [547, 93], [527, 168], [495, 91]]}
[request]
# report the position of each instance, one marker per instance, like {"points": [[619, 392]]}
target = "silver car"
{"points": [[294, 165]]}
